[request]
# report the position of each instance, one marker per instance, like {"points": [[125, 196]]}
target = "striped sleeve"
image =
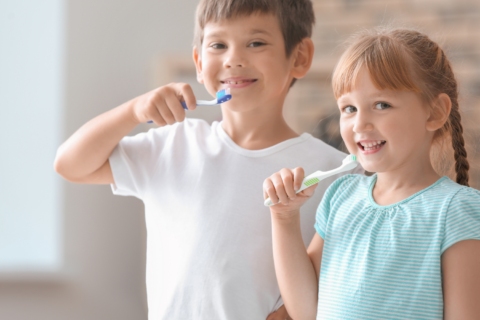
{"points": [[462, 221], [323, 210]]}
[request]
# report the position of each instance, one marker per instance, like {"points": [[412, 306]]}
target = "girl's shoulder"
{"points": [[462, 214], [456, 193]]}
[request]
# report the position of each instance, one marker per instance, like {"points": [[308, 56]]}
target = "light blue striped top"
{"points": [[384, 262]]}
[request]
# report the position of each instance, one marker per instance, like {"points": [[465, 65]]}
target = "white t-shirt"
{"points": [[209, 246]]}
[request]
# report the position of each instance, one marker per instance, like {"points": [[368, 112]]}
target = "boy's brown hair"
{"points": [[296, 17]]}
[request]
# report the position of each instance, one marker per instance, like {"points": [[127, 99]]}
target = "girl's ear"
{"points": [[440, 111], [303, 55], [198, 64]]}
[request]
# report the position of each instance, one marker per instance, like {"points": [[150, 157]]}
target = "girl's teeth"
{"points": [[372, 145]]}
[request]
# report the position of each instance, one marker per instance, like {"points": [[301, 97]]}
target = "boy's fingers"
{"points": [[153, 112], [185, 91], [175, 109], [298, 176]]}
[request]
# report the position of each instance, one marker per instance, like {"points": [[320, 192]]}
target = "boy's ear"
{"points": [[303, 56], [440, 111], [198, 64]]}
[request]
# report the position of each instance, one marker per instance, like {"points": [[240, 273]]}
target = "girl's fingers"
{"points": [[310, 190], [287, 180], [269, 191], [298, 176], [276, 190]]}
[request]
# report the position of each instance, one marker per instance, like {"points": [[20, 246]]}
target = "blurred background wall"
{"points": [[116, 50]]}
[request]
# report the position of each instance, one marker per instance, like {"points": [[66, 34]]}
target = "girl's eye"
{"points": [[349, 109], [218, 46], [382, 106], [256, 44]]}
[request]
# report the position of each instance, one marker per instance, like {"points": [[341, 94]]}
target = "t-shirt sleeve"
{"points": [[462, 221], [133, 161], [323, 210]]}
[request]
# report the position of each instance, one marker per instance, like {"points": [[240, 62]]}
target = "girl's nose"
{"points": [[363, 123]]}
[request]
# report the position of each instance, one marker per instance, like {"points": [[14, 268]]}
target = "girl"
{"points": [[404, 242]]}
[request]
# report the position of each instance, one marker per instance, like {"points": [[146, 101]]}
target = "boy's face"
{"points": [[247, 55]]}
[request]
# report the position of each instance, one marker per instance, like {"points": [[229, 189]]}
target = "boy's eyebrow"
{"points": [[251, 32]]}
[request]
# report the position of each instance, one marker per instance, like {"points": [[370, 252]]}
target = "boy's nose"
{"points": [[234, 60]]}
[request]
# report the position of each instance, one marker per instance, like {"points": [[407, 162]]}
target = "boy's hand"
{"points": [[281, 187], [163, 105], [280, 314]]}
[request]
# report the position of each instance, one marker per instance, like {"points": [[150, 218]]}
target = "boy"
{"points": [[209, 253]]}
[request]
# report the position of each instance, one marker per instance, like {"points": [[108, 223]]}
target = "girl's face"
{"points": [[385, 129]]}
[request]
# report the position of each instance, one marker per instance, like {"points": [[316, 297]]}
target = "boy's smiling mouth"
{"points": [[238, 81]]}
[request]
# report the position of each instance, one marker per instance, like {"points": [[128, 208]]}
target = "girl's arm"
{"points": [[461, 280], [84, 156], [297, 271]]}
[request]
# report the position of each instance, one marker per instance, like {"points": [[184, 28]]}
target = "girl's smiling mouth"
{"points": [[371, 146]]}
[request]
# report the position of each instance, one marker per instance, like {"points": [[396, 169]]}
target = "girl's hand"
{"points": [[163, 105], [281, 187]]}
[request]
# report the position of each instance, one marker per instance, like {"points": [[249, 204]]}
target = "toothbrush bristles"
{"points": [[223, 95]]}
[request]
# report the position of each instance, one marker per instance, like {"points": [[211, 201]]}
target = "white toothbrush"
{"points": [[348, 163]]}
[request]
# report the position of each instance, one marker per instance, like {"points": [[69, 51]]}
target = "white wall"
{"points": [[109, 52]]}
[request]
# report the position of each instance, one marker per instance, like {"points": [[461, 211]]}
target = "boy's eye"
{"points": [[382, 105], [256, 44], [218, 46], [349, 109]]}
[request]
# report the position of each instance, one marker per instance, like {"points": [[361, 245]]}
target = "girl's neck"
{"points": [[394, 186]]}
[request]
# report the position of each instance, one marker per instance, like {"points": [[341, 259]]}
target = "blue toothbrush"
{"points": [[222, 96]]}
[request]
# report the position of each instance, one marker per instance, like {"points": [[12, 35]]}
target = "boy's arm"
{"points": [[297, 275], [84, 156], [461, 280]]}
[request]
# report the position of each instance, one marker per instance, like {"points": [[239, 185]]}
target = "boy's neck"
{"points": [[255, 131]]}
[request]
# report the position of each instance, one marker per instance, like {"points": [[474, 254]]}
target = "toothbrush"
{"points": [[348, 163], [221, 97]]}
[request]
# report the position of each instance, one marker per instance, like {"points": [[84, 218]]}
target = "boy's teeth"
{"points": [[237, 82]]}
